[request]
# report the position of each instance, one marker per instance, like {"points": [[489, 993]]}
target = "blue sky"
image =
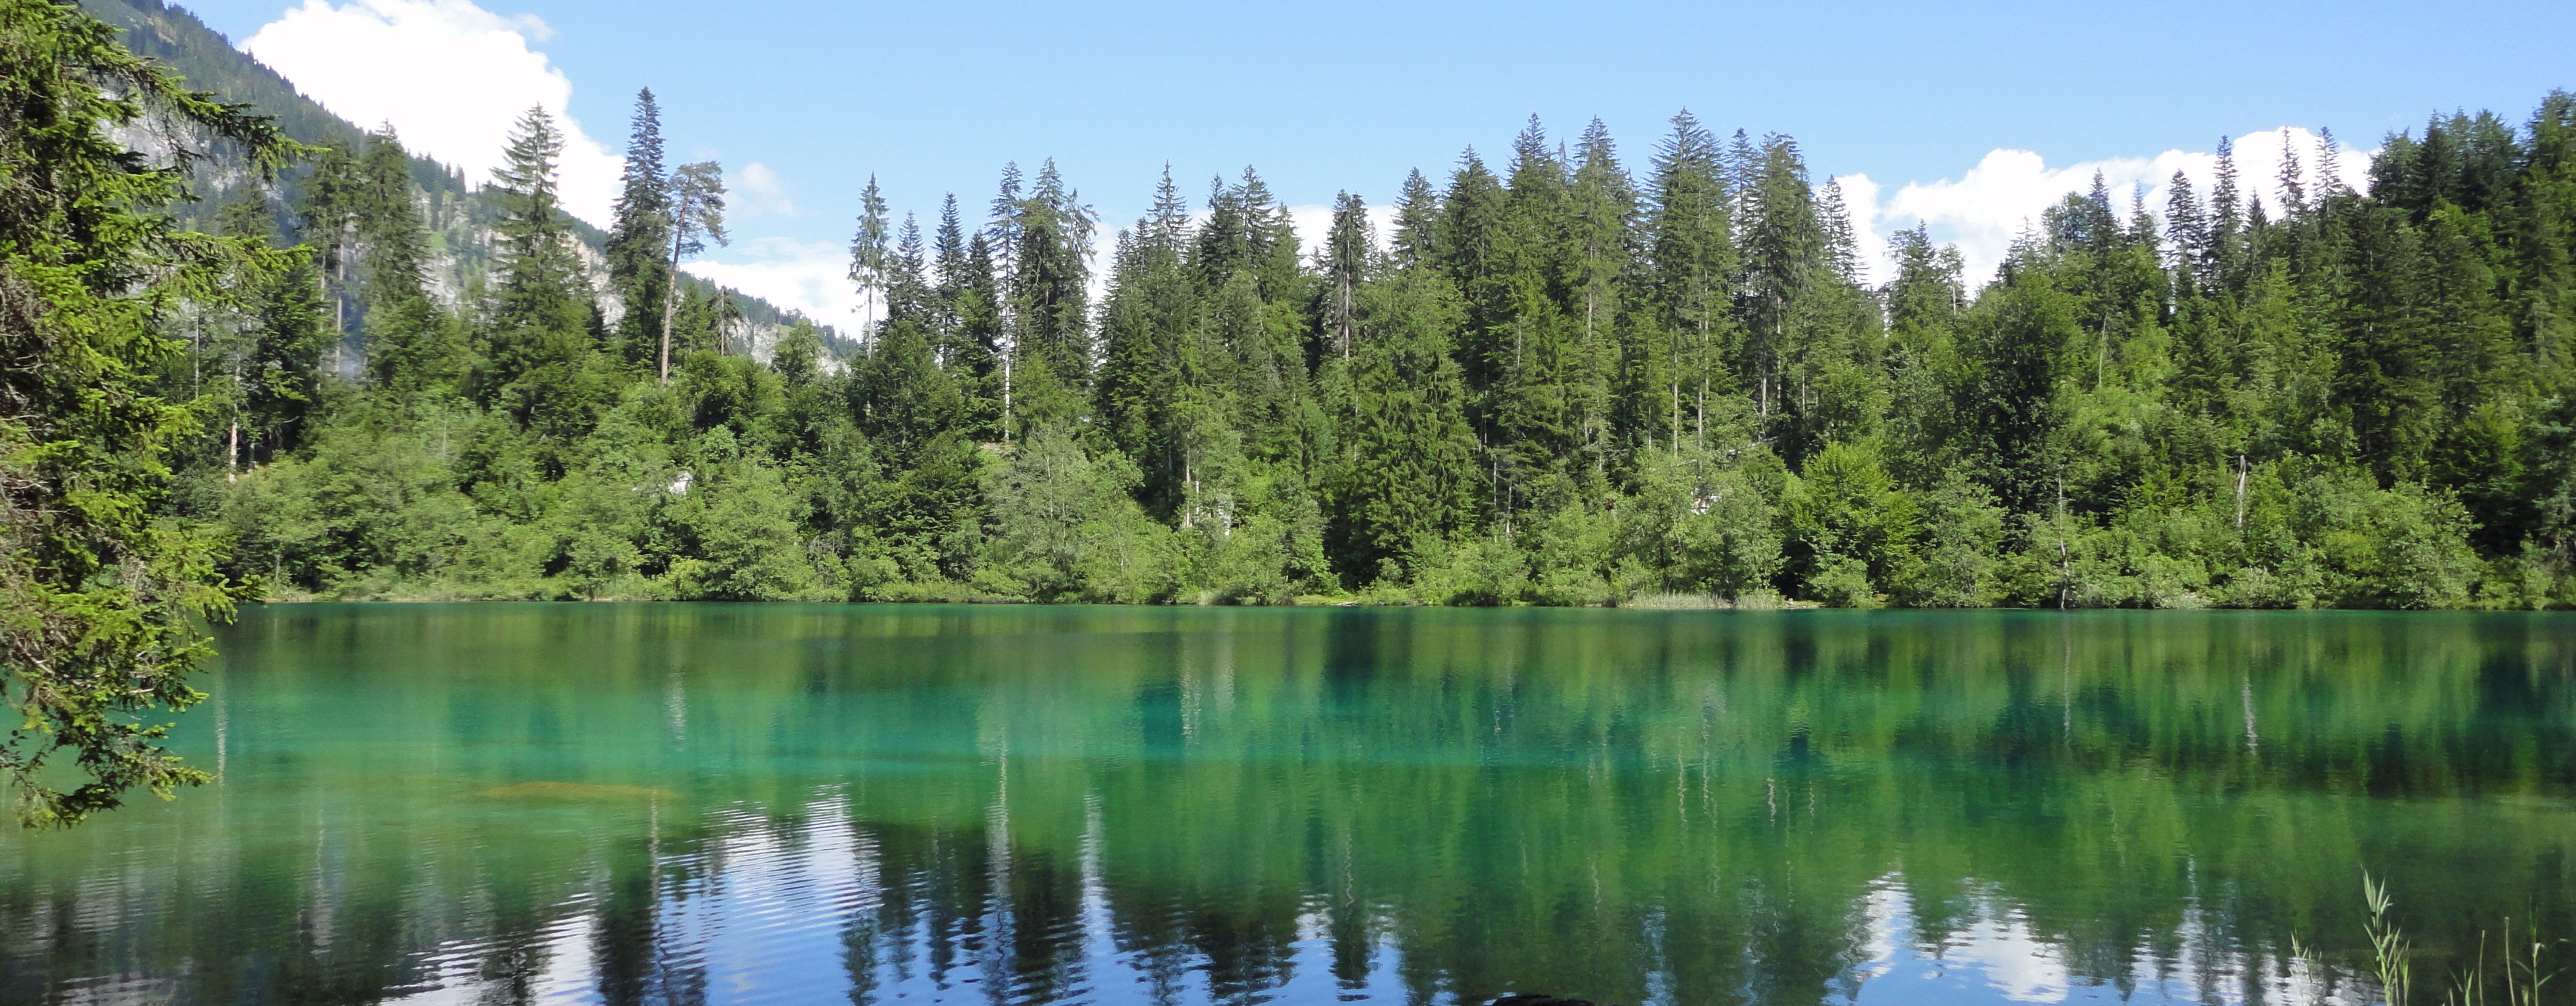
{"points": [[1977, 106]]}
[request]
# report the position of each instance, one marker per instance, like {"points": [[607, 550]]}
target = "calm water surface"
{"points": [[684, 804]]}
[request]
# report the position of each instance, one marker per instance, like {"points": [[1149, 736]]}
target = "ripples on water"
{"points": [[684, 804]]}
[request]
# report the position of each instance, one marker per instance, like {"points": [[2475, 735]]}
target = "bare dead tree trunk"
{"points": [[2240, 491]]}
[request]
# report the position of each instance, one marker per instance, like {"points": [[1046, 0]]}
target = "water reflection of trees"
{"points": [[1616, 805]]}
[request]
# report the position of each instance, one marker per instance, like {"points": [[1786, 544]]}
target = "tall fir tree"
{"points": [[541, 315], [1692, 262], [639, 235], [411, 345], [1417, 219], [870, 251], [1350, 243]]}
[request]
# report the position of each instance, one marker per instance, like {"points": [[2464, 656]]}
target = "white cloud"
{"points": [[1984, 209], [1315, 221], [758, 191], [806, 276], [449, 75]]}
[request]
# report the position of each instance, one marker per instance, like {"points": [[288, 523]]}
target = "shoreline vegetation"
{"points": [[1554, 382], [1564, 376], [1557, 379]]}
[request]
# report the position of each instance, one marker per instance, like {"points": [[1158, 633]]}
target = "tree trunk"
{"points": [[670, 303], [2240, 492]]}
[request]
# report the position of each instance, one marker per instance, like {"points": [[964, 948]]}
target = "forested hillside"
{"points": [[458, 214], [1558, 380]]}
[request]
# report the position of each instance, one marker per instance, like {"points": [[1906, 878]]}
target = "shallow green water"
{"points": [[813, 804]]}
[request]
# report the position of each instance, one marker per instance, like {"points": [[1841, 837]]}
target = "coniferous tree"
{"points": [[274, 356], [1411, 482], [1049, 279], [948, 276], [2226, 217], [1785, 269], [908, 292], [697, 216], [1692, 265], [2188, 224], [103, 596], [1417, 217], [983, 335], [409, 342], [1349, 245], [639, 238], [870, 251], [1150, 312], [1548, 390], [1474, 253], [541, 318], [1602, 212], [332, 199]]}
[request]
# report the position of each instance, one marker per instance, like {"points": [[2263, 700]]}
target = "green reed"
{"points": [[2392, 955]]}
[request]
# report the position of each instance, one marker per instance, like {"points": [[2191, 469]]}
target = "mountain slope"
{"points": [[459, 212]]}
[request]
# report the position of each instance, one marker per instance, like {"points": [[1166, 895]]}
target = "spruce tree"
{"points": [[948, 277], [639, 235], [332, 197], [1050, 280], [869, 252], [908, 292], [1842, 241], [1692, 262], [103, 596], [1417, 217], [410, 344], [2188, 224], [274, 357], [1784, 264], [1475, 253], [2294, 188], [2226, 219], [1411, 482], [1151, 310], [1349, 245], [540, 319]]}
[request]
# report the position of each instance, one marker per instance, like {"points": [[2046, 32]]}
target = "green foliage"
{"points": [[99, 597], [1409, 479], [1554, 384], [731, 533], [1064, 528], [1704, 523]]}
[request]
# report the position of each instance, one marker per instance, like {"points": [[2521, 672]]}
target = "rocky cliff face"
{"points": [[460, 213]]}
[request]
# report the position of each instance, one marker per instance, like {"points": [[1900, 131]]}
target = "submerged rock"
{"points": [[576, 792]]}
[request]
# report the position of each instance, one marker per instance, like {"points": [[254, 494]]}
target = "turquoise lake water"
{"points": [[745, 804]]}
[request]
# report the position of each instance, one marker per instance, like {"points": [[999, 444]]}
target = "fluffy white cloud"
{"points": [[758, 191], [803, 275], [449, 75], [1984, 209], [1315, 222]]}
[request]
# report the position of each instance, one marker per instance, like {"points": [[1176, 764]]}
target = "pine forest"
{"points": [[1569, 373]]}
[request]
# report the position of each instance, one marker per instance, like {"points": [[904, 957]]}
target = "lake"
{"points": [[737, 804]]}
